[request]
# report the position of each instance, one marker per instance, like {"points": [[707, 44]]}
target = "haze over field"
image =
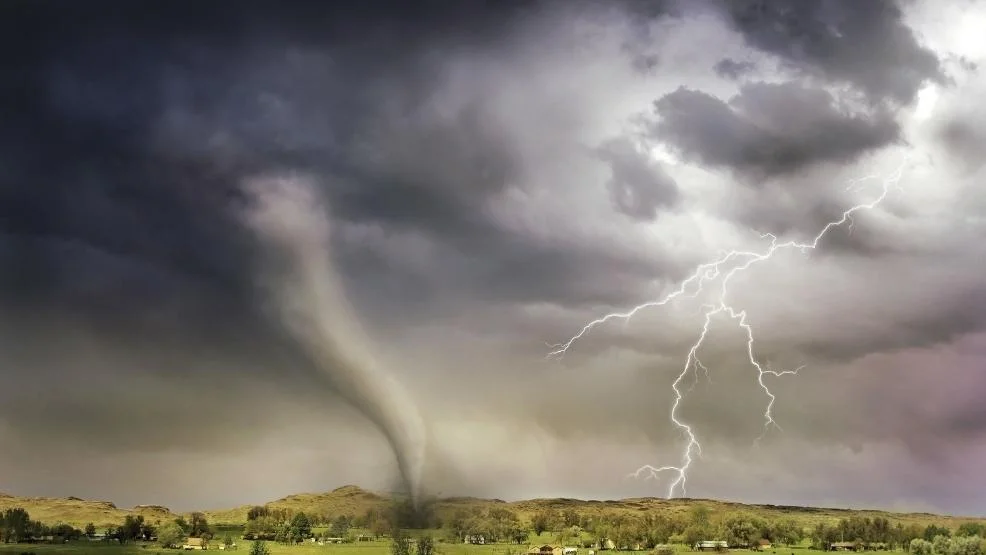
{"points": [[494, 175]]}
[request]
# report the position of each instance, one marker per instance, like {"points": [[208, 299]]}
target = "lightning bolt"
{"points": [[726, 267]]}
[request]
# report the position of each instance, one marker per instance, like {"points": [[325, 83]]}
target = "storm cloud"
{"points": [[768, 130], [497, 174]]}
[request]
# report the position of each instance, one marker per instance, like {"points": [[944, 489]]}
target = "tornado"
{"points": [[290, 219]]}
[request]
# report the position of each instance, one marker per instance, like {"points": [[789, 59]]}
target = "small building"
{"points": [[547, 549], [844, 546], [760, 545], [570, 551], [711, 545], [196, 544]]}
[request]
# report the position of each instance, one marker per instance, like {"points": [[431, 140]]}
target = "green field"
{"points": [[367, 548]]}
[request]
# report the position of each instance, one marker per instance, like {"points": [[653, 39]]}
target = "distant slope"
{"points": [[347, 500], [79, 512], [352, 500]]}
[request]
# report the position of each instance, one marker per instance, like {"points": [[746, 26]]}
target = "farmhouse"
{"points": [[844, 546], [546, 549], [760, 545], [196, 544], [711, 545]]}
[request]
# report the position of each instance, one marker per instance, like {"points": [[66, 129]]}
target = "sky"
{"points": [[484, 178]]}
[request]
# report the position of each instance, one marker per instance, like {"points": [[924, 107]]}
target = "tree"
{"points": [[66, 531], [301, 525], [920, 546], [281, 534], [543, 520], [257, 511], [90, 530], [566, 535], [700, 515], [788, 532], [199, 526], [170, 534], [970, 529], [400, 543], [130, 530], [695, 533], [742, 531], [933, 530], [259, 548], [426, 546], [340, 526], [570, 518], [147, 531], [16, 525], [183, 524], [228, 541], [379, 527], [966, 545]]}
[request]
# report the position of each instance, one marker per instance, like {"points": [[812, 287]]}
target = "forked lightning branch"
{"points": [[723, 270]]}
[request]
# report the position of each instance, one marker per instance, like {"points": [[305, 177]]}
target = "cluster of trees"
{"points": [[571, 527], [881, 532], [287, 526], [625, 530], [502, 525], [174, 532], [283, 526], [968, 540], [497, 525], [402, 544], [16, 526]]}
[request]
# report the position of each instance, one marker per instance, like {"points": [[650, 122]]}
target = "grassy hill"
{"points": [[79, 512], [353, 500]]}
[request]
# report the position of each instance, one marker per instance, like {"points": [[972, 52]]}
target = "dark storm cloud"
{"points": [[768, 129], [639, 187], [866, 44], [732, 69], [154, 118], [130, 133]]}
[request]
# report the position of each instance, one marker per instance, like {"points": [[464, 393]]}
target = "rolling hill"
{"points": [[353, 500]]}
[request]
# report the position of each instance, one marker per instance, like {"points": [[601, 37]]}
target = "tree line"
{"points": [[503, 525], [625, 530], [16, 526]]}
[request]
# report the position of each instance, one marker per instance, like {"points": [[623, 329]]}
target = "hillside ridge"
{"points": [[354, 500]]}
